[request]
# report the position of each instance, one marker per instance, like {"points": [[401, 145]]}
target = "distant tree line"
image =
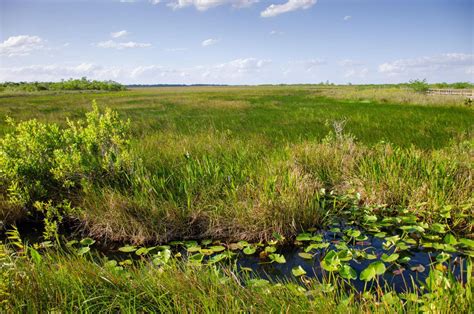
{"points": [[71, 84]]}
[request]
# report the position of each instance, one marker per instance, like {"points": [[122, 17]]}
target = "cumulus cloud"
{"points": [[21, 45], [203, 5], [119, 34], [347, 18], [122, 45], [209, 42], [291, 5], [424, 65]]}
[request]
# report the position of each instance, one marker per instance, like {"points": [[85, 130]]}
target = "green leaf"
{"points": [[83, 250], [353, 233], [217, 248], [128, 249], [450, 239], [270, 249], [280, 259], [442, 257], [305, 255], [304, 237], [347, 272], [367, 274], [87, 241], [389, 258], [438, 228], [316, 246], [249, 250], [298, 271], [35, 255], [467, 242]]}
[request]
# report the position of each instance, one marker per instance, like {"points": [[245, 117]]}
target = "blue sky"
{"points": [[237, 41]]}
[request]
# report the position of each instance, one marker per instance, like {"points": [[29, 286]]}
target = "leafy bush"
{"points": [[419, 85], [40, 161]]}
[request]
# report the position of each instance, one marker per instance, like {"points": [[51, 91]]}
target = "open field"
{"points": [[259, 164]]}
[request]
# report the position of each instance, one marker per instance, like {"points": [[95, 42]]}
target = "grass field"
{"points": [[234, 163]]}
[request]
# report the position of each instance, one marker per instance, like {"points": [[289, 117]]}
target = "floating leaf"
{"points": [[316, 246], [389, 258], [217, 248], [305, 255], [380, 235], [347, 272], [280, 259], [128, 249], [193, 249], [206, 242], [217, 258], [196, 258], [398, 271], [87, 241], [331, 261], [419, 268], [353, 233], [404, 259], [249, 250], [370, 218], [345, 255], [367, 274], [298, 271], [374, 269], [270, 249], [304, 237]]}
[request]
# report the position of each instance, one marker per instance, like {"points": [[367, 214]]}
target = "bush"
{"points": [[419, 85], [40, 161]]}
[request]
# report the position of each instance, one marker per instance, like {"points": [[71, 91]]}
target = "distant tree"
{"points": [[420, 86]]}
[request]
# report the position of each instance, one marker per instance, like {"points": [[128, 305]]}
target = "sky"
{"points": [[237, 41]]}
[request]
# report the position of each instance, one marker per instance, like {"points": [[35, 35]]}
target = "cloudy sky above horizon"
{"points": [[237, 41]]}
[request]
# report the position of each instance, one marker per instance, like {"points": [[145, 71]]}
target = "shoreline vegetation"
{"points": [[263, 165]]}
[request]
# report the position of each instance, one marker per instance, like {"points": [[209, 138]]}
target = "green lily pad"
{"points": [[87, 241], [347, 272], [304, 237], [305, 255], [217, 248], [249, 250], [128, 249], [298, 271], [390, 258], [280, 259]]}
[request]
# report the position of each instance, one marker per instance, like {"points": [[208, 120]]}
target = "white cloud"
{"points": [[209, 42], [155, 1], [291, 5], [122, 45], [347, 18], [203, 5], [274, 32], [425, 65], [21, 45], [119, 34]]}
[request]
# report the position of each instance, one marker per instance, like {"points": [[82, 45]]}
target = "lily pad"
{"points": [[298, 271], [390, 258], [347, 272], [305, 255]]}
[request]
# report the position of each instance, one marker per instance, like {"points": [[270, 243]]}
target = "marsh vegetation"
{"points": [[290, 198]]}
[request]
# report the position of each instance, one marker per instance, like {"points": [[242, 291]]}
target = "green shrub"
{"points": [[40, 161], [419, 85]]}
